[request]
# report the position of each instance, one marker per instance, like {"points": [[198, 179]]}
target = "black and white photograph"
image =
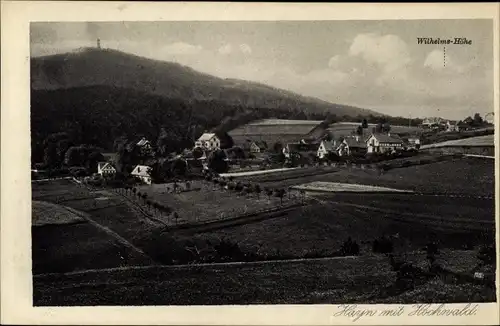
{"points": [[250, 162]]}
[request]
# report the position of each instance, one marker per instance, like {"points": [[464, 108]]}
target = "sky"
{"points": [[376, 65]]}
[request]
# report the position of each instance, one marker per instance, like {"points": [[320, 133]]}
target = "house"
{"points": [[143, 173], [413, 142], [105, 169], [325, 147], [257, 147], [451, 126], [429, 123], [208, 141], [301, 149], [352, 146], [383, 143]]}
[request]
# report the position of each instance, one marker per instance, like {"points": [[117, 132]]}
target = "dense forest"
{"points": [[99, 115]]}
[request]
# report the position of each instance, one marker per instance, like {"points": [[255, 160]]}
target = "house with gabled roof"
{"points": [[302, 149], [351, 146], [325, 147], [383, 143], [143, 173], [208, 141], [105, 169]]}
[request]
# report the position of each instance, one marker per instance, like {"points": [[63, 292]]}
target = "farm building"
{"points": [[382, 143], [142, 172], [105, 169], [255, 147], [302, 149], [208, 141], [272, 131], [481, 145], [351, 146]]}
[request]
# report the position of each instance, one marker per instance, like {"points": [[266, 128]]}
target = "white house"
{"points": [[413, 142], [325, 147], [451, 126], [142, 172], [382, 143], [105, 169], [208, 141]]}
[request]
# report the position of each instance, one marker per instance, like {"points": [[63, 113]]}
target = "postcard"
{"points": [[249, 163]]}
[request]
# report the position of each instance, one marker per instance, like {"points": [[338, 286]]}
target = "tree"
{"points": [[478, 120], [280, 193], [269, 192], [278, 147], [257, 190], [197, 152], [176, 217], [179, 167], [364, 124], [144, 197], [359, 131], [217, 162]]}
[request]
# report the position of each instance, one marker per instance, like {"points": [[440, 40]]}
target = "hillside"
{"points": [[92, 67]]}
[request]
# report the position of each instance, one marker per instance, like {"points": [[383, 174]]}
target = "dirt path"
{"points": [[166, 267]]}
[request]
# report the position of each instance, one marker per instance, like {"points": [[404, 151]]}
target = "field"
{"points": [[321, 186], [466, 176], [44, 213], [209, 202], [324, 226], [345, 280], [96, 241], [452, 205]]}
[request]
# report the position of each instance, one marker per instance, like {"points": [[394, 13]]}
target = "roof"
{"points": [[384, 138], [300, 147], [142, 142], [261, 144], [206, 136], [353, 143], [141, 170], [329, 145], [102, 165]]}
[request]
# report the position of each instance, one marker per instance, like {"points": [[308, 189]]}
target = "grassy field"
{"points": [[66, 248], [470, 176], [347, 280], [209, 202], [324, 226], [412, 220], [44, 213]]}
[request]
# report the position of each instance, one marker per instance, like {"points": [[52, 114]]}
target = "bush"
{"points": [[382, 245], [487, 255], [349, 248]]}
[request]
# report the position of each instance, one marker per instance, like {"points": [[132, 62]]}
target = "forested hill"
{"points": [[104, 67], [99, 115]]}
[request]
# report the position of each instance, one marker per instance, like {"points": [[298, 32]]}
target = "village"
{"points": [[275, 143]]}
